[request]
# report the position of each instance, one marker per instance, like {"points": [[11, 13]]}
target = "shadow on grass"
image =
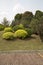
{"points": [[9, 40], [29, 38]]}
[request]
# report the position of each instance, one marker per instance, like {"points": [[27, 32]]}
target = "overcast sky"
{"points": [[8, 8]]}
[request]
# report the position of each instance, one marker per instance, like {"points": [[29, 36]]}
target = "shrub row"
{"points": [[8, 35], [17, 27], [20, 33], [8, 29]]}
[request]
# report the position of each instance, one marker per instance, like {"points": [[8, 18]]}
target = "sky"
{"points": [[9, 8]]}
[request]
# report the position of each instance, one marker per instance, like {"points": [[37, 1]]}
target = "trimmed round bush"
{"points": [[8, 29], [21, 34], [29, 31], [8, 36], [1, 27]]}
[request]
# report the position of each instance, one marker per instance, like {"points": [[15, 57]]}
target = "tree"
{"points": [[5, 22], [40, 28], [13, 23], [38, 14], [18, 19], [26, 18], [34, 25]]}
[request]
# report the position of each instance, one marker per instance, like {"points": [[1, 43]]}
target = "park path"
{"points": [[21, 58]]}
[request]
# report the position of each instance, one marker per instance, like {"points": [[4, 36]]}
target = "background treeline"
{"points": [[32, 23]]}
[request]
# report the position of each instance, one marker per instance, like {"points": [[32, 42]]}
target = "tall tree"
{"points": [[38, 14], [13, 23], [40, 26], [26, 18], [18, 19], [34, 25]]}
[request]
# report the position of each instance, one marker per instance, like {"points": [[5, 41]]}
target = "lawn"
{"points": [[34, 43]]}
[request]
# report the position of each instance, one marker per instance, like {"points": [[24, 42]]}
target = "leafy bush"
{"points": [[1, 27], [8, 29], [29, 31], [34, 25], [15, 28], [21, 26], [8, 35], [21, 34]]}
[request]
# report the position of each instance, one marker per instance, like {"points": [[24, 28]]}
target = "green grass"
{"points": [[33, 43]]}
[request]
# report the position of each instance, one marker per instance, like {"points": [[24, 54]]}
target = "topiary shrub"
{"points": [[15, 28], [1, 27], [29, 31], [8, 29], [21, 34], [21, 26], [8, 36]]}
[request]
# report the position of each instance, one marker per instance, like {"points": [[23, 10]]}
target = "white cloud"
{"points": [[2, 15], [5, 14], [18, 8]]}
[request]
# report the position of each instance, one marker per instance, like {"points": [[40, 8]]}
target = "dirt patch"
{"points": [[21, 59]]}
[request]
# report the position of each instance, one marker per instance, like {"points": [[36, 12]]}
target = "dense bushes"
{"points": [[8, 29], [34, 25], [1, 27], [25, 24], [21, 34], [29, 31], [15, 28], [8, 35]]}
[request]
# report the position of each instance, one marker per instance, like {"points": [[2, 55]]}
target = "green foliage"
{"points": [[34, 25], [21, 34], [29, 31], [26, 18], [1, 27], [38, 14], [40, 27], [18, 19], [8, 29], [18, 16], [15, 28], [13, 23], [8, 36], [21, 26]]}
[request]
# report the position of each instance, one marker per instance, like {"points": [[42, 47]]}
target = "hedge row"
{"points": [[20, 33]]}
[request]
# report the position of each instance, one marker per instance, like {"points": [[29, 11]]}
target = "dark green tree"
{"points": [[38, 14], [40, 28], [34, 25], [13, 23], [18, 19], [26, 18]]}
